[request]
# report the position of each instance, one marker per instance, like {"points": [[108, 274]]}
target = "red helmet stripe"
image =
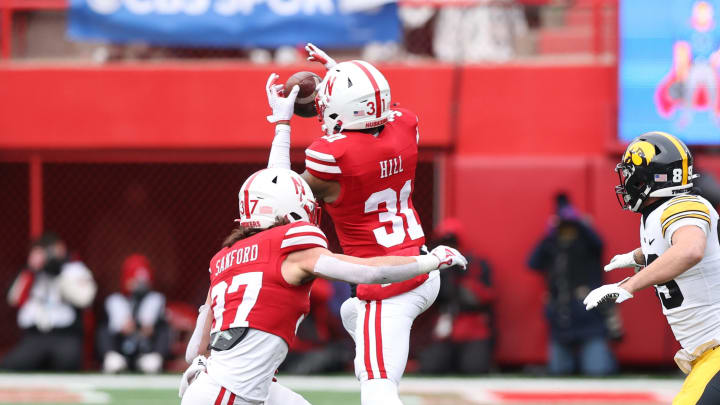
{"points": [[247, 194], [374, 84]]}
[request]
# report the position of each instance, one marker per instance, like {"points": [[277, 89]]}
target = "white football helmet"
{"points": [[272, 193], [353, 95]]}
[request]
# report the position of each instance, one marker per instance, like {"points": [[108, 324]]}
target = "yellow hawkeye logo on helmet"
{"points": [[640, 153]]}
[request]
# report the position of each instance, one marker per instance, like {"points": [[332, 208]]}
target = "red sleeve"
{"points": [[20, 289], [409, 121], [301, 236], [322, 160]]}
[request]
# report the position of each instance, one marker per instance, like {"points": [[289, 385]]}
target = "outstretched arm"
{"points": [[200, 339], [688, 248], [316, 54], [320, 262], [634, 259], [686, 251], [282, 108]]}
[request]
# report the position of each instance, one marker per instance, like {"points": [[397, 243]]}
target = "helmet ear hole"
{"points": [[333, 116], [295, 216]]}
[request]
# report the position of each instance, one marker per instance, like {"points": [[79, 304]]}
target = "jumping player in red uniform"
{"points": [[259, 291], [363, 169]]}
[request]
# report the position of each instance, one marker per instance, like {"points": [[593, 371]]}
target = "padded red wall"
{"points": [[536, 110], [508, 201], [178, 106]]}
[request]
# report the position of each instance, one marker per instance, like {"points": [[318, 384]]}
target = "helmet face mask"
{"points": [[633, 190], [655, 164]]}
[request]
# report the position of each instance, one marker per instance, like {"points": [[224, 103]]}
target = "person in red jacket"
{"points": [[463, 331], [136, 335]]}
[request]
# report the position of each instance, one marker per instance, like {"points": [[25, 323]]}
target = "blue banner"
{"points": [[231, 23], [670, 69]]}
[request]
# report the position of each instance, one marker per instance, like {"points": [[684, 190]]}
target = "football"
{"points": [[305, 101]]}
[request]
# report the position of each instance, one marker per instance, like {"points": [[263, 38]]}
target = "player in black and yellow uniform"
{"points": [[680, 253]]}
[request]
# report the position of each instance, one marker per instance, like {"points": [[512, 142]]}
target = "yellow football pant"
{"points": [[695, 389]]}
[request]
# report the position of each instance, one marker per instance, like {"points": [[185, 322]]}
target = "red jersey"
{"points": [[247, 288], [374, 214]]}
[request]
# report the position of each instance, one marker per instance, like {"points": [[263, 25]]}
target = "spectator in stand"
{"points": [[136, 335], [463, 332], [570, 258], [482, 31], [50, 293]]}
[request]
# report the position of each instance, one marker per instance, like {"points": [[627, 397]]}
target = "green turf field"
{"points": [[168, 397], [133, 389]]}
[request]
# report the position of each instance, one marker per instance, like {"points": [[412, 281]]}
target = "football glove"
{"points": [[606, 293], [282, 107], [316, 54], [623, 260], [448, 257], [196, 367]]}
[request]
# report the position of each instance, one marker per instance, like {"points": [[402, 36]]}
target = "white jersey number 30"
{"points": [[396, 207]]}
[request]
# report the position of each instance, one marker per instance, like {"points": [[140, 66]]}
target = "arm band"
{"points": [[193, 347], [280, 150], [363, 274]]}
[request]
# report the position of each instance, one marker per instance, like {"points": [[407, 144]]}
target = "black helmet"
{"points": [[655, 164]]}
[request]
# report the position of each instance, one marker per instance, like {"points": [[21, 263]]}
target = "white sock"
{"points": [[379, 391], [281, 395]]}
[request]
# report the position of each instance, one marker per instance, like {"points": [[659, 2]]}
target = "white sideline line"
{"points": [[348, 383]]}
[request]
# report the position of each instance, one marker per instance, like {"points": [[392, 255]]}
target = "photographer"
{"points": [[569, 256], [49, 294]]}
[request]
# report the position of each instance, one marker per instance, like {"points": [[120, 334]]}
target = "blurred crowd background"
{"points": [[131, 152], [455, 31]]}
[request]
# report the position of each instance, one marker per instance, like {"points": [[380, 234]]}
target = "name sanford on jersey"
{"points": [[236, 256], [390, 167]]}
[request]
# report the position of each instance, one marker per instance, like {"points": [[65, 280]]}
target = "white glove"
{"points": [[623, 260], [318, 55], [197, 366], [282, 107], [606, 293], [448, 257]]}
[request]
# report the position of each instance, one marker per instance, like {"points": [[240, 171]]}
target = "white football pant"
{"points": [[205, 391], [381, 330]]}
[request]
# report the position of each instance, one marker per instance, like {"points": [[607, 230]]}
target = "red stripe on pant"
{"points": [[231, 401], [378, 340], [366, 336], [220, 396]]}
